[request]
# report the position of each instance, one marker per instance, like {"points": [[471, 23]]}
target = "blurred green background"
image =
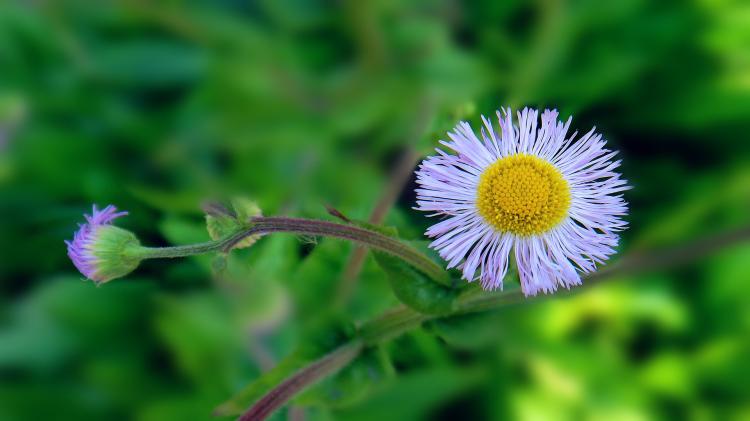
{"points": [[298, 104]]}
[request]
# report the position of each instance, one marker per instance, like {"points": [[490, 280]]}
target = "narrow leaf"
{"points": [[414, 288], [322, 336], [307, 376]]}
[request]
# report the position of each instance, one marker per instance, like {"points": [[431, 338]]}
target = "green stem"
{"points": [[356, 234], [267, 225], [179, 251], [190, 249]]}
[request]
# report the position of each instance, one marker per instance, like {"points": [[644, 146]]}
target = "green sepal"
{"points": [[118, 252]]}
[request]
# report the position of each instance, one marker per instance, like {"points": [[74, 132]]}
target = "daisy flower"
{"points": [[529, 189], [102, 251]]}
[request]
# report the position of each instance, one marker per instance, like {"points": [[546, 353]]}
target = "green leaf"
{"points": [[352, 384], [151, 64], [322, 337], [255, 390], [413, 395], [203, 343], [471, 331], [411, 286], [415, 289]]}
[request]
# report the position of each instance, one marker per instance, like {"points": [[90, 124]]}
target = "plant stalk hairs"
{"points": [[526, 202]]}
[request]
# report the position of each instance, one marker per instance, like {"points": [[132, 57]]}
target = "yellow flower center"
{"points": [[523, 194]]}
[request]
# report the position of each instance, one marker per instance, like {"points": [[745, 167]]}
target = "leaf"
{"points": [[411, 286], [62, 316], [413, 395], [471, 331], [353, 383], [285, 380], [311, 374], [415, 289], [324, 336], [255, 390], [151, 64], [202, 341]]}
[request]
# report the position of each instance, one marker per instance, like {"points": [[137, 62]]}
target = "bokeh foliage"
{"points": [[298, 104]]}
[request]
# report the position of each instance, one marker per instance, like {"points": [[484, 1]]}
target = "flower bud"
{"points": [[102, 251]]}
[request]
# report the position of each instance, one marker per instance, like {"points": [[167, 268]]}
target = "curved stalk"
{"points": [[267, 225], [309, 375]]}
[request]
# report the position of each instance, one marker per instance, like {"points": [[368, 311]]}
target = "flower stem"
{"points": [[359, 235], [267, 225], [189, 249]]}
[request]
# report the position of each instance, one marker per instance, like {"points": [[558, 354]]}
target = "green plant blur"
{"points": [[301, 104]]}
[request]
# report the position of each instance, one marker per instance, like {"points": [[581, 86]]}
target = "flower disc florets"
{"points": [[523, 195]]}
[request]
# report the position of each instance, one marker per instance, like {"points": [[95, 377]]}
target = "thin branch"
{"points": [[313, 373]]}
